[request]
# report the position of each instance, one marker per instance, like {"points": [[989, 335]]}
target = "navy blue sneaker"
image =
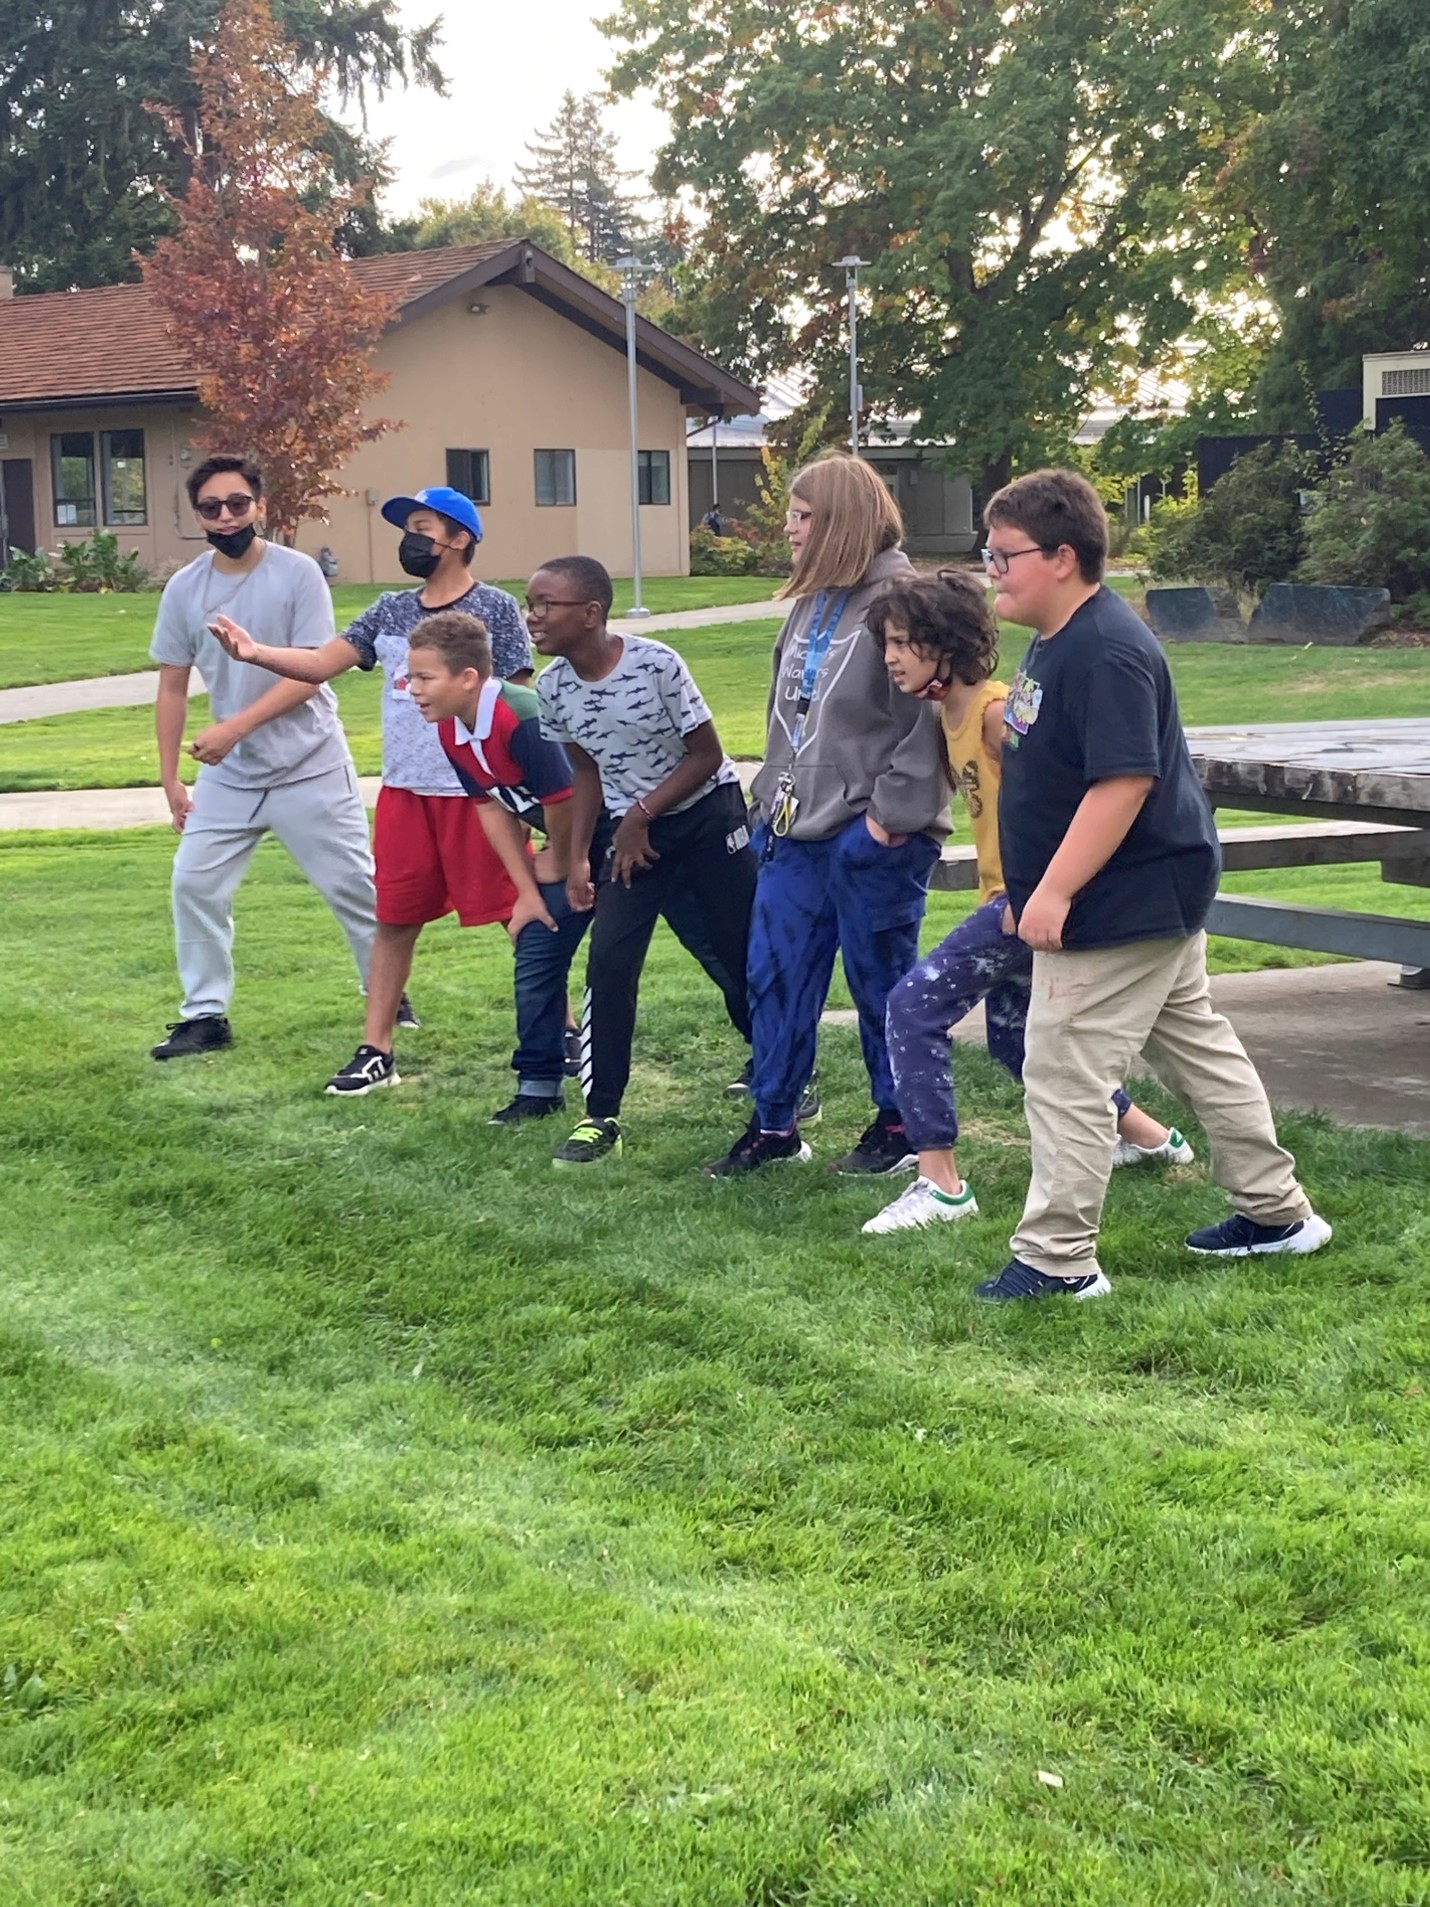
{"points": [[754, 1149], [406, 1017], [1239, 1237], [1017, 1280]]}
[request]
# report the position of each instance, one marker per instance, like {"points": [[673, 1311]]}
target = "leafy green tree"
{"points": [[1334, 186], [486, 213], [1030, 181], [1247, 531], [1371, 521], [84, 168], [573, 168]]}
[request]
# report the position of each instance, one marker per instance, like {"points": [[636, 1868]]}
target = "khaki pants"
{"points": [[1090, 1015]]}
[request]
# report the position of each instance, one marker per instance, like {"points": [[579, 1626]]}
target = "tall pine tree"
{"points": [[573, 168]]}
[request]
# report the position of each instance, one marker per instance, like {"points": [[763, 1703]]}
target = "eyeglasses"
{"points": [[543, 603], [212, 508], [998, 560]]}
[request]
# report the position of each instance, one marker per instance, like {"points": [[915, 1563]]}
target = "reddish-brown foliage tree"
{"points": [[280, 331]]}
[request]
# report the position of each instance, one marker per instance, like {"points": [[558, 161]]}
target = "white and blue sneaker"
{"points": [[1241, 1237], [1017, 1280], [923, 1203], [1174, 1150]]}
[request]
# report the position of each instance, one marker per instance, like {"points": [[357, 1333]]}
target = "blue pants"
{"points": [[543, 964], [847, 895], [977, 961]]}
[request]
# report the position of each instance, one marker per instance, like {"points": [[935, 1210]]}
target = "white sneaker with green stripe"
{"points": [[1173, 1150], [924, 1204]]}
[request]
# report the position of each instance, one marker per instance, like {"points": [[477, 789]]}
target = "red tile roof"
{"points": [[111, 342]]}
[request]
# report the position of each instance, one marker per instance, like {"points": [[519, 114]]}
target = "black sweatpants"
{"points": [[705, 850]]}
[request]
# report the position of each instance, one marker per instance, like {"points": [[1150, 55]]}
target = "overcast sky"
{"points": [[508, 67]]}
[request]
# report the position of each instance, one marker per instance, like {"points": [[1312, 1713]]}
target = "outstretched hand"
{"points": [[239, 644]]}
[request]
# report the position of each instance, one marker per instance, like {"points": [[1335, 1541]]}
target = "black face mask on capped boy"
{"points": [[418, 555], [232, 543]]}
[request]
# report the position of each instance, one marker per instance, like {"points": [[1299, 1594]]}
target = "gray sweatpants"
{"points": [[322, 824]]}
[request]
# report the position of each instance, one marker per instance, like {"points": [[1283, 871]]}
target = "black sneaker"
{"points": [[204, 1035], [739, 1086], [883, 1147], [754, 1148], [406, 1016], [1238, 1237], [1017, 1280], [571, 1052], [369, 1067], [593, 1141], [528, 1106]]}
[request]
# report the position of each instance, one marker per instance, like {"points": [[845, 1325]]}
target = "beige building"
{"points": [[507, 371]]}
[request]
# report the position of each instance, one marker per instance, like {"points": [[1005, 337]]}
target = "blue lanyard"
{"points": [[821, 634]]}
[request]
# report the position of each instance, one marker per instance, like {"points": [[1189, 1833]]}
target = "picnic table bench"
{"points": [[1366, 774], [1367, 785]]}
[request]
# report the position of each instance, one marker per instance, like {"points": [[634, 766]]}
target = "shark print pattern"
{"points": [[632, 723]]}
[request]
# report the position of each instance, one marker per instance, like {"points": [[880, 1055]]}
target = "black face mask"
{"points": [[232, 543], [418, 555]]}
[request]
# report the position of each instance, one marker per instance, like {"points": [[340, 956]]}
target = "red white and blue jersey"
{"points": [[505, 757]]}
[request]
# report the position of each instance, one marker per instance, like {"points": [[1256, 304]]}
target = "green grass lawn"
{"points": [[387, 1518], [65, 638], [113, 748]]}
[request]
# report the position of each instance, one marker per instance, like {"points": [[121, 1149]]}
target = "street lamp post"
{"points": [[629, 269], [850, 267]]}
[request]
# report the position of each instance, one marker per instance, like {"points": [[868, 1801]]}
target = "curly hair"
{"points": [[947, 618], [458, 639]]}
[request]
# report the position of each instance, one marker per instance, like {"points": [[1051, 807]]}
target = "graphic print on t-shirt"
{"points": [[632, 722], [411, 755], [969, 784], [842, 651], [1020, 711]]}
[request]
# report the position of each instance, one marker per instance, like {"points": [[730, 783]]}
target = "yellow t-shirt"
{"points": [[976, 775]]}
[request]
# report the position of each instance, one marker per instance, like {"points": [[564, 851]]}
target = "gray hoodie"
{"points": [[866, 747]]}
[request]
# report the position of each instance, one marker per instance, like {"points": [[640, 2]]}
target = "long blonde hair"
{"points": [[855, 518]]}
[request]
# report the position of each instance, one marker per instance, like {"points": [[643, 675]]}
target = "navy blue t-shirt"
{"points": [[1094, 701]]}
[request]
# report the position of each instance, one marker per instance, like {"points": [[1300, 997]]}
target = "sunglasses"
{"points": [[542, 603], [212, 508]]}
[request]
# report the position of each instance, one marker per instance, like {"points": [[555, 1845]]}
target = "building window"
{"points": [[470, 472], [1405, 383], [72, 467], [122, 470], [555, 476], [654, 475]]}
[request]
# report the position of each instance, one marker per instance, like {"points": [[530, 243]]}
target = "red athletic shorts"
{"points": [[432, 856]]}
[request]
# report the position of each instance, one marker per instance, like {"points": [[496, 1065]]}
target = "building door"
{"points": [[17, 506]]}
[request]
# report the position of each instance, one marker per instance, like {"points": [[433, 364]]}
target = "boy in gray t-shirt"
{"points": [[274, 757], [647, 763]]}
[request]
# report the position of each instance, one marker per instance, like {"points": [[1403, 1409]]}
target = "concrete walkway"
{"points": [[1336, 1040], [137, 691]]}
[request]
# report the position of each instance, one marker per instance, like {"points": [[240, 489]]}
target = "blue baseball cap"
{"points": [[440, 497]]}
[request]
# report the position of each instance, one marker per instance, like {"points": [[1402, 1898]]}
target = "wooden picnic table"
{"points": [[1371, 772]]}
